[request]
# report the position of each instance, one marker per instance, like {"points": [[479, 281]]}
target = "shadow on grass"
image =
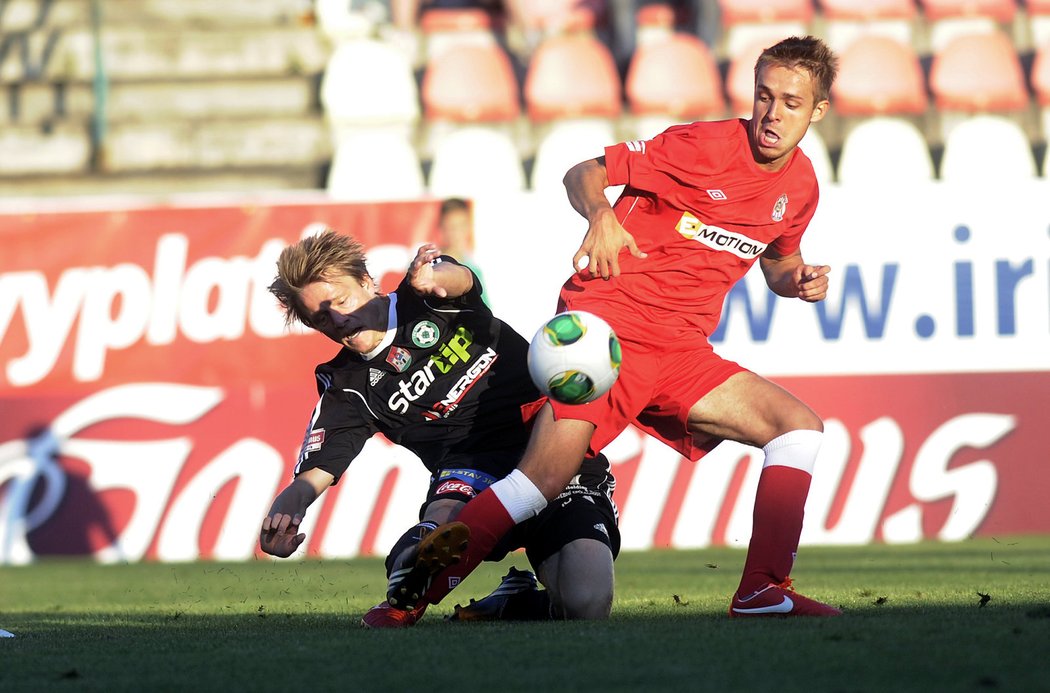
{"points": [[875, 646]]}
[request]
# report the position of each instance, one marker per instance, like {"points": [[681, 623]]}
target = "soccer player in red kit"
{"points": [[702, 202]]}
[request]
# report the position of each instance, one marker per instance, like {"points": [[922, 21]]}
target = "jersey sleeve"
{"points": [[656, 165], [337, 433], [471, 298]]}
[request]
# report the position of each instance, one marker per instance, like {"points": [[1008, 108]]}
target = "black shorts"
{"points": [[584, 510]]}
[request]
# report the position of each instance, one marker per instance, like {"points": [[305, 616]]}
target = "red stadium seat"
{"points": [[470, 83], [978, 72], [740, 79], [765, 11], [879, 75], [867, 10], [847, 20], [572, 75], [1001, 11], [677, 77], [444, 19], [548, 17]]}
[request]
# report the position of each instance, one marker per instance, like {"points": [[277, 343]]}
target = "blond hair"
{"points": [[806, 53], [315, 258]]}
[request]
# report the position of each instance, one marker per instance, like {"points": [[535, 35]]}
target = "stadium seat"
{"points": [[469, 83], [765, 11], [746, 22], [676, 79], [370, 165], [572, 76], [884, 151], [740, 78], [879, 75], [473, 161], [1002, 11], [384, 94], [445, 27], [1039, 21], [566, 144], [987, 146], [948, 19], [550, 17], [342, 20], [978, 73]]}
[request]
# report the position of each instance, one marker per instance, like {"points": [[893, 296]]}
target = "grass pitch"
{"points": [[930, 617]]}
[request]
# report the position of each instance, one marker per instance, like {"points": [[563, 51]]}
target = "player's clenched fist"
{"points": [[812, 282], [280, 534]]}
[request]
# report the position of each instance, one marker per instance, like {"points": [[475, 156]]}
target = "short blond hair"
{"points": [[807, 53], [315, 258]]}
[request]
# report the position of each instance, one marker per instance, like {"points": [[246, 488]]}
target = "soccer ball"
{"points": [[575, 357]]}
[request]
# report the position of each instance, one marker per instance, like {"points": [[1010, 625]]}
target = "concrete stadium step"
{"points": [[254, 179], [134, 53], [214, 144], [34, 102], [31, 149], [19, 15]]}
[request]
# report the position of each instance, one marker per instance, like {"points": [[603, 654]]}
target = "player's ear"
{"points": [[820, 110]]}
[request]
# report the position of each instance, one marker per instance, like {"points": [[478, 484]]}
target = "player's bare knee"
{"points": [[593, 604]]}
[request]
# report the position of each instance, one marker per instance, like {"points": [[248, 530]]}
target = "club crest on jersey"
{"points": [[425, 334], [780, 207], [399, 358], [375, 375]]}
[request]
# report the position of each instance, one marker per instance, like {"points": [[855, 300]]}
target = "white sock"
{"points": [[797, 449], [519, 496]]}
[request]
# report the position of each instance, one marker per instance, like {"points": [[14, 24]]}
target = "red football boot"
{"points": [[778, 600], [383, 615]]}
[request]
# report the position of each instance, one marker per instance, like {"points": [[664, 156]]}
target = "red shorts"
{"points": [[656, 389]]}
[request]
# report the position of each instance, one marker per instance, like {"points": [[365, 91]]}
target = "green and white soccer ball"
{"points": [[575, 357]]}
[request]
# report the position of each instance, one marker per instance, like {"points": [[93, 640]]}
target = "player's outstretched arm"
{"points": [[280, 534], [444, 279], [791, 277], [585, 184]]}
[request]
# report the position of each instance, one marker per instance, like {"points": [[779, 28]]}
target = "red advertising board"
{"points": [[153, 402]]}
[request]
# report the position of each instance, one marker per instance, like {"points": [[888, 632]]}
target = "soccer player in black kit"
{"points": [[434, 371]]}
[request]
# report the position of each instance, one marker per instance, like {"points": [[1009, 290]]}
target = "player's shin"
{"points": [[489, 516], [779, 504]]}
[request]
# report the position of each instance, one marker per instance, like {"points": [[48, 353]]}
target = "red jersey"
{"points": [[701, 208]]}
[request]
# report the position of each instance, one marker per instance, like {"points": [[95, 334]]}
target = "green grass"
{"points": [[913, 622]]}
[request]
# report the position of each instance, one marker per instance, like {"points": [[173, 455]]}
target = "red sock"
{"points": [[777, 525], [488, 521]]}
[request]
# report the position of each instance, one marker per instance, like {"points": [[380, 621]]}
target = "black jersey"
{"points": [[448, 378]]}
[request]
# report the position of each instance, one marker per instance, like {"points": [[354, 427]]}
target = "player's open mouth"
{"points": [[769, 138]]}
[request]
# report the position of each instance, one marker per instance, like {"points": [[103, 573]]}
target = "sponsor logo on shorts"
{"points": [[455, 487], [602, 528], [716, 194], [314, 440], [478, 480]]}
